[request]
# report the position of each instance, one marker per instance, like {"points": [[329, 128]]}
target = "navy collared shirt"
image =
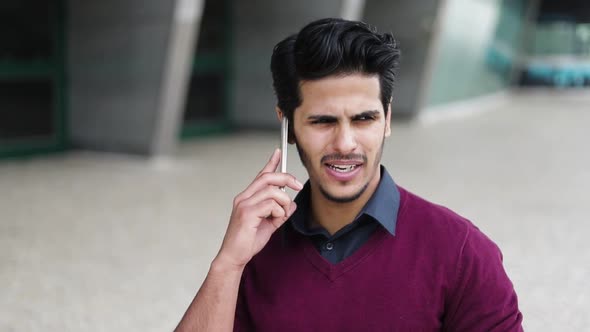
{"points": [[380, 211]]}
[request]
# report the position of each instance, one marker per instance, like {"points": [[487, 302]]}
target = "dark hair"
{"points": [[328, 47]]}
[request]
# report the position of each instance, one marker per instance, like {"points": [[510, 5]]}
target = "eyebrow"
{"points": [[373, 113], [321, 117]]}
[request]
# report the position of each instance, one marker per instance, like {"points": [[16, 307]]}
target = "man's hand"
{"points": [[257, 212]]}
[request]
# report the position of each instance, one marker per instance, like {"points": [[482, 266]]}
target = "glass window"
{"points": [[26, 109]]}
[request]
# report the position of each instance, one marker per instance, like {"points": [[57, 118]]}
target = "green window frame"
{"points": [[52, 69], [211, 62]]}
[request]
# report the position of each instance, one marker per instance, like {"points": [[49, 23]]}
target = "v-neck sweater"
{"points": [[438, 273], [379, 211]]}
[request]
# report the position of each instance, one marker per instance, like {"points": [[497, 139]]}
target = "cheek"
{"points": [[313, 142], [372, 141]]}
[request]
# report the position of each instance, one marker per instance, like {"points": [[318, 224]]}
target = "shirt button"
{"points": [[329, 246]]}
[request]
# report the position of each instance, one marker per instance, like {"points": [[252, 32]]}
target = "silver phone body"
{"points": [[284, 136]]}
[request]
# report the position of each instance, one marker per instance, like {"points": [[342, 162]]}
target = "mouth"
{"points": [[343, 171], [342, 168]]}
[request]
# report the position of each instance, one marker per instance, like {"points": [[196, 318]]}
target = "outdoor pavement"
{"points": [[104, 242]]}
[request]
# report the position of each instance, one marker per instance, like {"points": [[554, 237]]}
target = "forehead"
{"points": [[354, 92]]}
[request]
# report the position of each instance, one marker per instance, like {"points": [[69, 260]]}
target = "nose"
{"points": [[345, 140]]}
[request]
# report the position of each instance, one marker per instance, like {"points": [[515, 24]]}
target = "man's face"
{"points": [[339, 129]]}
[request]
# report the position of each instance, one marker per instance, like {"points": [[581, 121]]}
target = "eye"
{"points": [[364, 118], [323, 120]]}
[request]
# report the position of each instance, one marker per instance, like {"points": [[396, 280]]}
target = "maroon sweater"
{"points": [[438, 272]]}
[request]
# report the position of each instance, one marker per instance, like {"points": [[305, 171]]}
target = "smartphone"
{"points": [[284, 136]]}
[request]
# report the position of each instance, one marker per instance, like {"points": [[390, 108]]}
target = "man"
{"points": [[354, 251]]}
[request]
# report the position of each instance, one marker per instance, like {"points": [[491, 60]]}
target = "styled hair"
{"points": [[329, 47]]}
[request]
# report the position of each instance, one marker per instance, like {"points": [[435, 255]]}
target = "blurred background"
{"points": [[127, 127]]}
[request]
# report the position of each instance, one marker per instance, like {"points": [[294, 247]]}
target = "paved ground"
{"points": [[98, 242]]}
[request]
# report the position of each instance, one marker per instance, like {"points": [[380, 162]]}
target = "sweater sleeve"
{"points": [[242, 321], [482, 297]]}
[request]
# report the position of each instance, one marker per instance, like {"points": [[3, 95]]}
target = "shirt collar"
{"points": [[382, 206]]}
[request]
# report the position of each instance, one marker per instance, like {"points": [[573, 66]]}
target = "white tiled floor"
{"points": [[98, 242]]}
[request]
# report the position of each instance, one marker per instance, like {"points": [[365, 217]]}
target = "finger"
{"points": [[292, 208], [269, 226], [283, 217], [270, 209], [270, 193], [272, 163], [270, 179]]}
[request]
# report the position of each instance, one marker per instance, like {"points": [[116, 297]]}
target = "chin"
{"points": [[338, 196]]}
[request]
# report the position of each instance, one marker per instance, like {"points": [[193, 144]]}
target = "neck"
{"points": [[333, 215]]}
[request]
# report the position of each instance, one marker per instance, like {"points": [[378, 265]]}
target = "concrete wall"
{"points": [[116, 55], [412, 24], [258, 26]]}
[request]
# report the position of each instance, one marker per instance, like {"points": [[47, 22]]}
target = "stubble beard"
{"points": [[346, 199]]}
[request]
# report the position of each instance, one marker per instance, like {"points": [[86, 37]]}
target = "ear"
{"points": [[291, 137], [388, 121]]}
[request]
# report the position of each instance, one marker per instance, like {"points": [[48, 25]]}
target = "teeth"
{"points": [[343, 168]]}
